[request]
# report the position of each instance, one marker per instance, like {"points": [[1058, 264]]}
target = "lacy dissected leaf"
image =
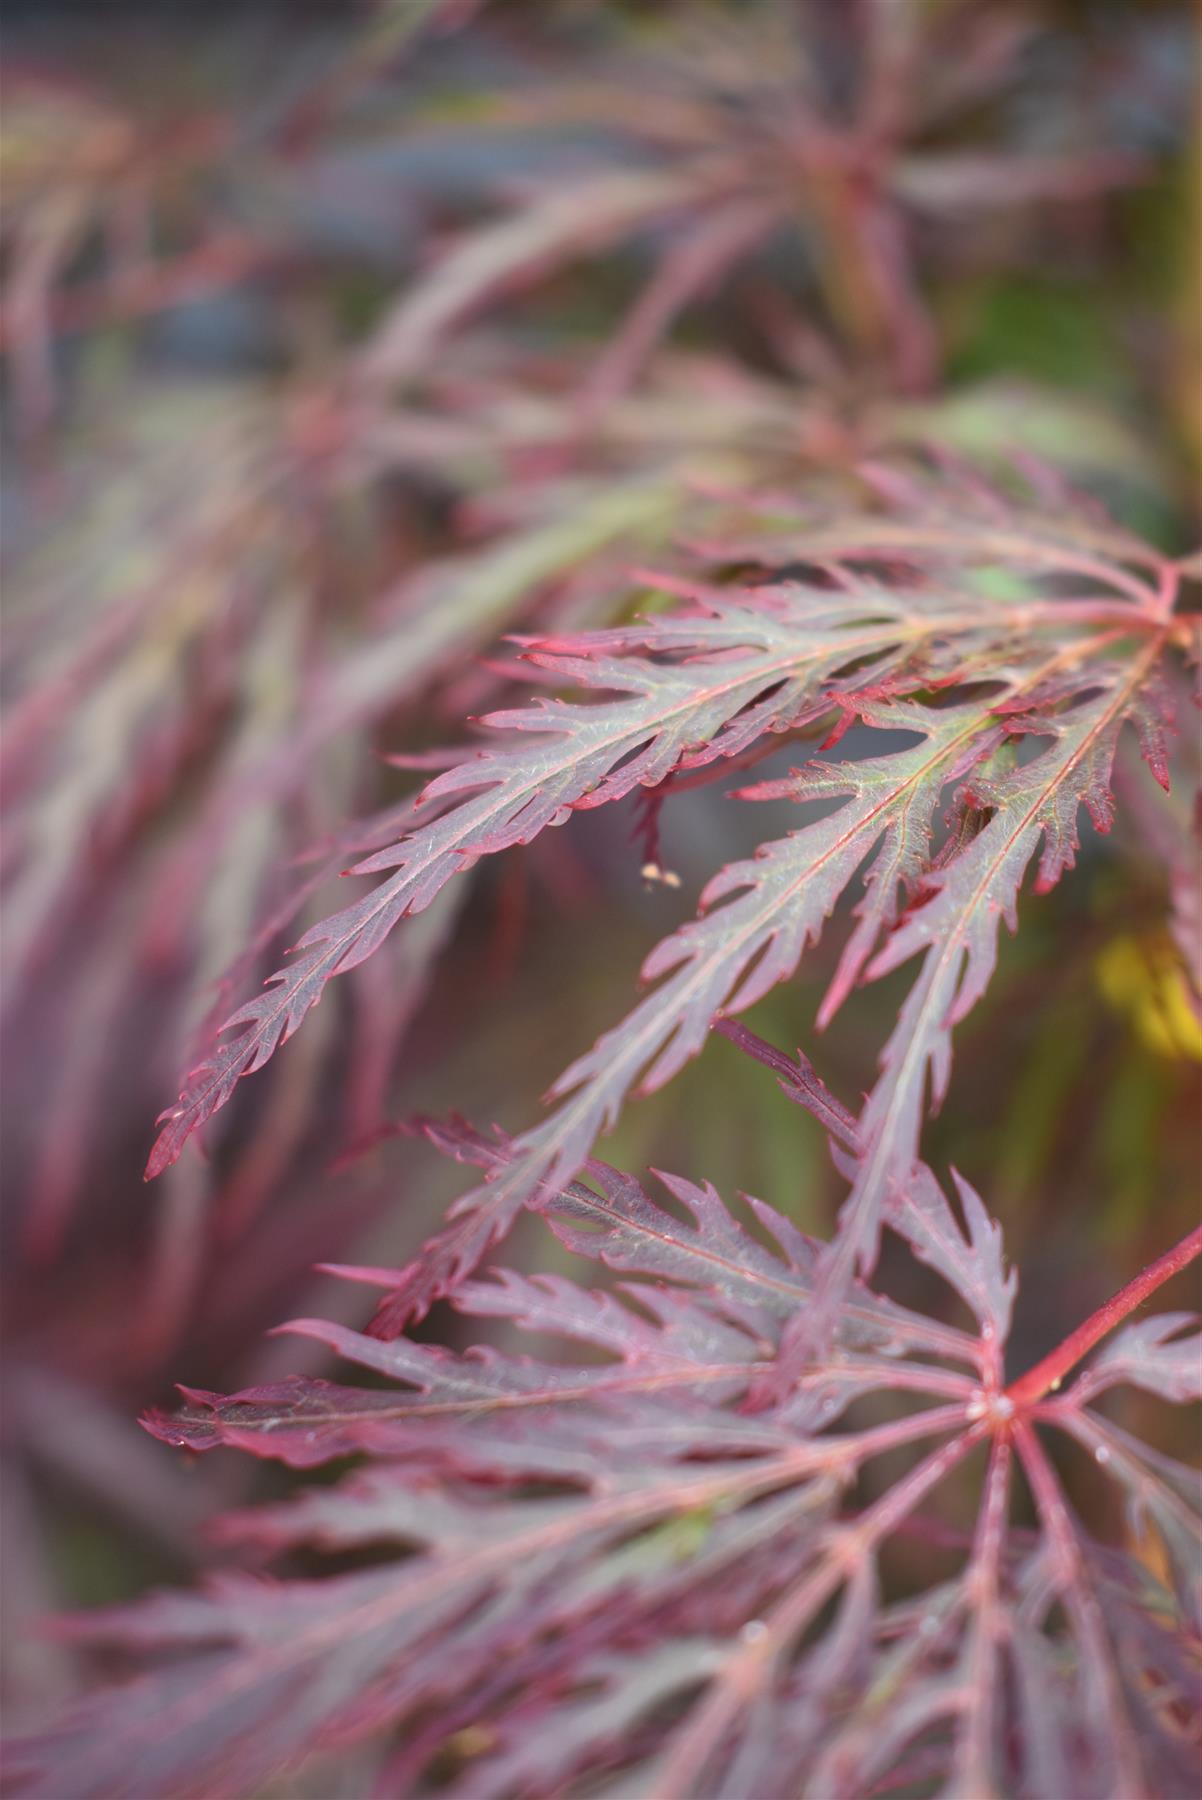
{"points": [[778, 901], [742, 1295], [756, 918], [723, 678], [1011, 703], [1029, 807], [604, 1565]]}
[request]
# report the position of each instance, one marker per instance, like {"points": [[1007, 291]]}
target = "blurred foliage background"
{"points": [[340, 341]]}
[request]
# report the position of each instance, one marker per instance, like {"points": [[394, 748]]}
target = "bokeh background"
{"points": [[341, 341]]}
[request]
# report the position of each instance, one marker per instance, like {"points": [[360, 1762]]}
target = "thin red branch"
{"points": [[1047, 1375]]}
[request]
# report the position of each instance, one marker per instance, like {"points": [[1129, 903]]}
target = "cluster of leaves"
{"points": [[236, 617], [672, 1571], [224, 595], [971, 670], [656, 1567], [626, 1569]]}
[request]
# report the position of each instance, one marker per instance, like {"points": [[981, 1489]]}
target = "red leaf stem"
{"points": [[1047, 1375]]}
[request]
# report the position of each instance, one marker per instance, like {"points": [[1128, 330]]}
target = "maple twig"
{"points": [[1048, 1374]]}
